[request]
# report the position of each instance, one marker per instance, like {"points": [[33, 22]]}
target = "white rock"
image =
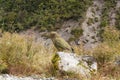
{"points": [[84, 65], [11, 77]]}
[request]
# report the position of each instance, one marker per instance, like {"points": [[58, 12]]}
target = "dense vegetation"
{"points": [[108, 6], [17, 15]]}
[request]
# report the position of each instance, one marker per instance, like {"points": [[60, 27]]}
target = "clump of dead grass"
{"points": [[21, 55]]}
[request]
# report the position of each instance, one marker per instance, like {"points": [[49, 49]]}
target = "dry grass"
{"points": [[105, 54], [20, 55]]}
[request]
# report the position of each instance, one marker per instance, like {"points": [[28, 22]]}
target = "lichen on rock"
{"points": [[70, 62]]}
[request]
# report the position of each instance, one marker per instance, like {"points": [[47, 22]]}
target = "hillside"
{"points": [[91, 27], [88, 28]]}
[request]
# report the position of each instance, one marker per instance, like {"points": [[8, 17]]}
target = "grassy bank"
{"points": [[21, 55]]}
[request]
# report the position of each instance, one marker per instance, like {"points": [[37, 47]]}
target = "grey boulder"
{"points": [[69, 62]]}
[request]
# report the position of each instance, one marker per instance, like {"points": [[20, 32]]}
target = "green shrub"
{"points": [[19, 15], [90, 21], [104, 23], [77, 33]]}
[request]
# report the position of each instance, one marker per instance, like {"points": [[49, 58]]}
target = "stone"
{"points": [[12, 77], [70, 62]]}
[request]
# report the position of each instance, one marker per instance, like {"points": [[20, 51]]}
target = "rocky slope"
{"points": [[91, 26]]}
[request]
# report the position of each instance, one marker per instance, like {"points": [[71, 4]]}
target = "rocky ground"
{"points": [[91, 25], [90, 36], [11, 77]]}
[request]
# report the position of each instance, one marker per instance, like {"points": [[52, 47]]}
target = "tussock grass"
{"points": [[21, 55]]}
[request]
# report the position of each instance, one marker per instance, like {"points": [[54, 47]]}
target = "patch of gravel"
{"points": [[11, 77], [90, 36]]}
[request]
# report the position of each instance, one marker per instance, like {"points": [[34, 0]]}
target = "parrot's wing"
{"points": [[59, 42]]}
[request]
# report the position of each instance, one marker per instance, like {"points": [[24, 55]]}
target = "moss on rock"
{"points": [[55, 60]]}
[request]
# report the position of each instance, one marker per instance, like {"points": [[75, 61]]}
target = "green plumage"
{"points": [[60, 43]]}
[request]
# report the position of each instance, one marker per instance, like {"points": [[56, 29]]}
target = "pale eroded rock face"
{"points": [[83, 65]]}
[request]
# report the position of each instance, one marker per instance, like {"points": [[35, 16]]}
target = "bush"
{"points": [[19, 15], [77, 32], [90, 21]]}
